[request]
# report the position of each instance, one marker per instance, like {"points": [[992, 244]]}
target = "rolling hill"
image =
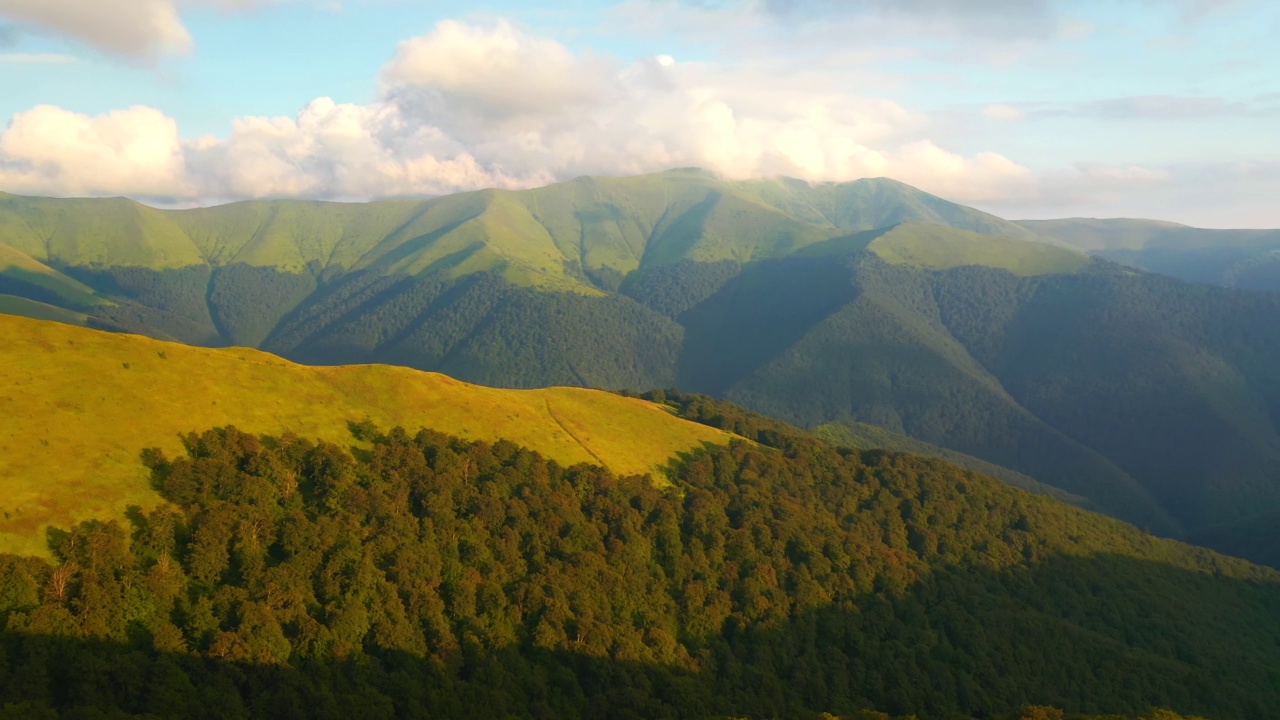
{"points": [[78, 406], [423, 574], [1247, 259], [869, 302]]}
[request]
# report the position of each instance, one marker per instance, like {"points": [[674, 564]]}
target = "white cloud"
{"points": [[463, 74], [36, 58], [137, 28], [481, 106], [1209, 194], [142, 29], [125, 152]]}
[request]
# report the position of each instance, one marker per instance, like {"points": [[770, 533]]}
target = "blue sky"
{"points": [[1027, 108]]}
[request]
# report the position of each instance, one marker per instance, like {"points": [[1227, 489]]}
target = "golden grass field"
{"points": [[77, 407]]}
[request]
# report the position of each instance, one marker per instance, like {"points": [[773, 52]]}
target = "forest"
{"points": [[419, 575], [1154, 400]]}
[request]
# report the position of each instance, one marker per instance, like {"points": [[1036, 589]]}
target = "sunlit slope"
{"points": [[11, 305], [19, 272], [936, 247], [545, 237], [77, 406]]}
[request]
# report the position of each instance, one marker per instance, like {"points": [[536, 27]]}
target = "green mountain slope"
{"points": [[1248, 259], [423, 575], [77, 407], [1256, 538], [860, 435], [867, 302], [595, 225], [21, 273]]}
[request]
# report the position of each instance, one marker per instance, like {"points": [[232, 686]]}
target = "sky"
{"points": [[1163, 109]]}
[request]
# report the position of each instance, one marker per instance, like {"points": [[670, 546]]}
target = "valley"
{"points": [[259, 446], [866, 302]]}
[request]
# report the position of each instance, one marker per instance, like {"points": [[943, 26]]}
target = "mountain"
{"points": [[1255, 538], [862, 435], [556, 237], [79, 406], [869, 302], [350, 569], [1248, 259]]}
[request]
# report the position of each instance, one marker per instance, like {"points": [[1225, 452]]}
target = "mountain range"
{"points": [[831, 306], [556, 553], [1248, 259]]}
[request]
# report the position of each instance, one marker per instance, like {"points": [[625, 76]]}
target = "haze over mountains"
{"points": [[825, 305], [1247, 259]]}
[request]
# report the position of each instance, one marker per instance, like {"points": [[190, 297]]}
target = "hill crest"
{"points": [[77, 407]]}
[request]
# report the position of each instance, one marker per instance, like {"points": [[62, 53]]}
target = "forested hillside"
{"points": [[831, 305], [77, 406], [1248, 259], [429, 576]]}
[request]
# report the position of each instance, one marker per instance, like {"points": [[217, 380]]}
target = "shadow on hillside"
{"points": [[1103, 633], [757, 315]]}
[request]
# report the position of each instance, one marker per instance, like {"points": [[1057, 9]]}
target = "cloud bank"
{"points": [[471, 106]]}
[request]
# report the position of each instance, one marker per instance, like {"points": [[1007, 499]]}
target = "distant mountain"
{"points": [[339, 567], [555, 237], [869, 302], [1248, 259]]}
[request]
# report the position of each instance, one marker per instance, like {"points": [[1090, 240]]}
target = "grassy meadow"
{"points": [[77, 407]]}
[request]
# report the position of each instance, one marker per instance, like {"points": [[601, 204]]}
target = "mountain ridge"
{"points": [[80, 405], [1007, 349], [616, 223]]}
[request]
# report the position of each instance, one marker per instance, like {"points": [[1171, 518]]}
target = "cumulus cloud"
{"points": [[462, 74], [135, 152], [469, 106]]}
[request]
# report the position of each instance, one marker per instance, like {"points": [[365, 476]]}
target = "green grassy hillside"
{"points": [[78, 406], [1234, 258], [593, 224], [422, 576], [22, 273], [11, 305], [936, 247], [867, 302]]}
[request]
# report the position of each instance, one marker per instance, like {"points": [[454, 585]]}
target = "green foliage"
{"points": [[247, 302], [79, 405], [485, 330], [821, 304], [674, 289], [168, 303], [861, 435], [429, 577], [936, 247]]}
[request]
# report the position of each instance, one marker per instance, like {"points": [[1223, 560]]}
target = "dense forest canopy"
{"points": [[419, 575], [828, 305]]}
